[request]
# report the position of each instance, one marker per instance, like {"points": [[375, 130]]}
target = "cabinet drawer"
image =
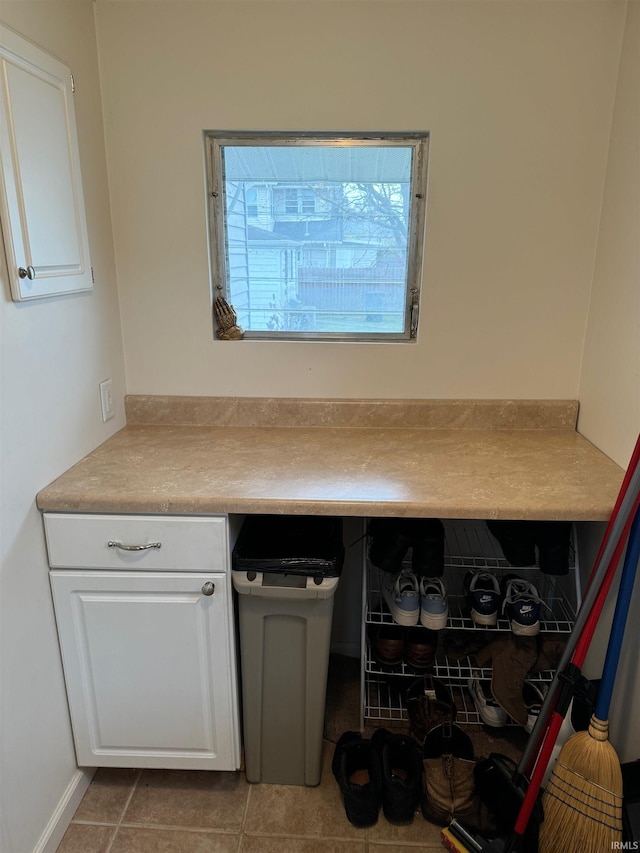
{"points": [[137, 542]]}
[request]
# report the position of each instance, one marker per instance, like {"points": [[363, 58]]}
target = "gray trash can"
{"points": [[285, 571]]}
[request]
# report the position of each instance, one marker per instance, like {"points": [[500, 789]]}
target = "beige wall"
{"points": [[610, 382], [518, 98], [54, 352]]}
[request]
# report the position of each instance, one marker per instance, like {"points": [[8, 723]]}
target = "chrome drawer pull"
{"points": [[208, 588], [121, 547]]}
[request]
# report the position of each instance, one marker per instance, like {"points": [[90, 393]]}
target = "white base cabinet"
{"points": [[148, 655]]}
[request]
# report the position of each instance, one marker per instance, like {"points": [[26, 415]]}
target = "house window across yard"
{"points": [[318, 236]]}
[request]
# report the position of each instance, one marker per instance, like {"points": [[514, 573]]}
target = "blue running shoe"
{"points": [[483, 591], [402, 595], [522, 606], [434, 609]]}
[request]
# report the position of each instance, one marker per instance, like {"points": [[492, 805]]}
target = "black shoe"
{"points": [[427, 538], [553, 539], [517, 540], [389, 543], [401, 765], [356, 767]]}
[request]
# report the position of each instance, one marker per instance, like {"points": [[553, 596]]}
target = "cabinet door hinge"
{"points": [[73, 84], [93, 278]]}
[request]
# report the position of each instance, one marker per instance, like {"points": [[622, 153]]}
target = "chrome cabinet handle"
{"points": [[29, 273], [208, 588], [121, 547]]}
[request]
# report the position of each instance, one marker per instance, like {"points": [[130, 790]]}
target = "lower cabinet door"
{"points": [[149, 663]]}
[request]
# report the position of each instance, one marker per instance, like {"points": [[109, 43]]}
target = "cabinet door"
{"points": [[41, 199], [150, 668]]}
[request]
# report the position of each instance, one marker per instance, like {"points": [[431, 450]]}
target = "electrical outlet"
{"points": [[106, 400]]}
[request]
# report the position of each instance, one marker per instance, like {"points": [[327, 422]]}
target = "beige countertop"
{"points": [[481, 460]]}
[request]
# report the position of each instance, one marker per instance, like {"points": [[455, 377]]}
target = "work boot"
{"points": [[449, 765], [512, 657], [429, 704], [551, 647]]}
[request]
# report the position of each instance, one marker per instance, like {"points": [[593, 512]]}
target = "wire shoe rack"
{"points": [[469, 546]]}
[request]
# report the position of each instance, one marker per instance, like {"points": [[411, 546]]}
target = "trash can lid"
{"points": [[298, 544]]}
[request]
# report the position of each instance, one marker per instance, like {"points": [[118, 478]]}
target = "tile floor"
{"points": [[168, 811]]}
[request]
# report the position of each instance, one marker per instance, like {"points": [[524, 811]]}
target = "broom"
{"points": [[583, 800]]}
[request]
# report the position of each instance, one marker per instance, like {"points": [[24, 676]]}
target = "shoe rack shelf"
{"points": [[468, 546]]}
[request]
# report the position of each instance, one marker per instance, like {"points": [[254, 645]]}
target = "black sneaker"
{"points": [[356, 767], [483, 592], [401, 764]]}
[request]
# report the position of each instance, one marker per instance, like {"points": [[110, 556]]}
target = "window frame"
{"points": [[216, 141]]}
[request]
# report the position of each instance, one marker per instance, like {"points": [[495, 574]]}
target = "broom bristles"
{"points": [[583, 800]]}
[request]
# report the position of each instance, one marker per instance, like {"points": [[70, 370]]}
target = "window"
{"points": [[337, 250], [251, 195]]}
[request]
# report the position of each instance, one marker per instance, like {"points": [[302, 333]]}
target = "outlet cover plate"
{"points": [[106, 400]]}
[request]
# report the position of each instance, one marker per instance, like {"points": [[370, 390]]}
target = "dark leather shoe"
{"points": [[421, 645], [389, 645], [401, 765], [356, 767]]}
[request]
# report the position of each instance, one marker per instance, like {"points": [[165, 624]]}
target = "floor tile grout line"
{"points": [[243, 823], [124, 811], [180, 827]]}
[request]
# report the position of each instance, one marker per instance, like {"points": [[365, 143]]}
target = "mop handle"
{"points": [[623, 603]]}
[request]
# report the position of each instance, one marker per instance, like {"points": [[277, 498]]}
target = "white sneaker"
{"points": [[434, 609], [490, 712], [402, 596], [533, 696]]}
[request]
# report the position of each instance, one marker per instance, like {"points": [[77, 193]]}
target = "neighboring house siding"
{"points": [[237, 267]]}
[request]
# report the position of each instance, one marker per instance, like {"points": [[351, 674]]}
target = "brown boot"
{"points": [[511, 666], [429, 703], [550, 650], [448, 768]]}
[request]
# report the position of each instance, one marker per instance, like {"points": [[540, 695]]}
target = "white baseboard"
{"points": [[64, 811]]}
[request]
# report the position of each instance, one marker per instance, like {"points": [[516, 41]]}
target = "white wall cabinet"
{"points": [[41, 199], [148, 653]]}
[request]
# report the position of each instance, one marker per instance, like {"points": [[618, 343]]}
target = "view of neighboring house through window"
{"points": [[319, 236]]}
